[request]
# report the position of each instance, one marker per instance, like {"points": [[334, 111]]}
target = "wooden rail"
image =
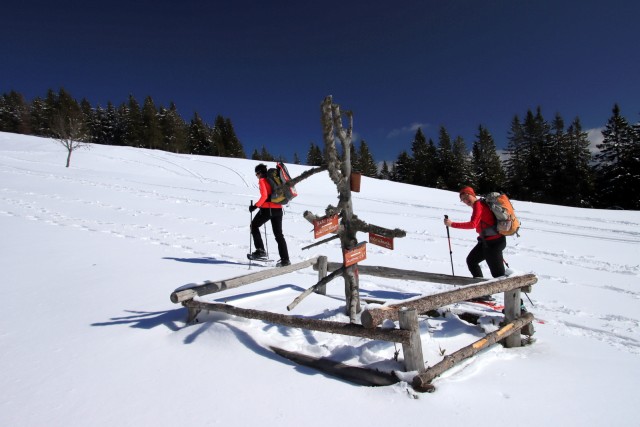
{"points": [[190, 291], [351, 329], [399, 274], [422, 380], [372, 317], [406, 312]]}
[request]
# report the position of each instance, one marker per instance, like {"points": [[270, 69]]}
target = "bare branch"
{"points": [[69, 132], [328, 134], [370, 228], [305, 175], [327, 240]]}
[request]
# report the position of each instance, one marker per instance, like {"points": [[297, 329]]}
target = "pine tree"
{"points": [[225, 140], [220, 136], [134, 124], [577, 178], [173, 128], [515, 164], [366, 163], [617, 168], [487, 167], [38, 117], [556, 162], [462, 168], [422, 161], [296, 159], [445, 180], [115, 123], [14, 113], [385, 173], [151, 134], [314, 156], [403, 169], [199, 137], [92, 118], [355, 160], [536, 136], [50, 110], [265, 155]]}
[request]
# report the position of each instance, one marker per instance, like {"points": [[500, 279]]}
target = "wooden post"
{"points": [[421, 381], [413, 358], [322, 273], [511, 313], [192, 313]]}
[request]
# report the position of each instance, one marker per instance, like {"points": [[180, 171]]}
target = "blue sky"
{"points": [[267, 65]]}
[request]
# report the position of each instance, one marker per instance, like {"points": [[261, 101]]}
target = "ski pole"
{"points": [[266, 241], [250, 221], [450, 251]]}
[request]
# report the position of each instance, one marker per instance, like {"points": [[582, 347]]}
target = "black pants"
{"points": [[264, 215], [490, 251]]}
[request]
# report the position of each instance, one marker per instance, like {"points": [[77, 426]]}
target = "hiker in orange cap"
{"points": [[490, 242]]}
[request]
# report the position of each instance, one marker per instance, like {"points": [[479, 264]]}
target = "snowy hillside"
{"points": [[91, 253]]}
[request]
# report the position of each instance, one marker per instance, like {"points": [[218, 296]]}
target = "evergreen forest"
{"points": [[544, 161]]}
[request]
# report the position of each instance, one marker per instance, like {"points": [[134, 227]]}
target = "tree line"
{"points": [[128, 124], [544, 161]]}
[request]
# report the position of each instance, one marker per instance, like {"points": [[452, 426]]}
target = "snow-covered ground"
{"points": [[88, 335]]}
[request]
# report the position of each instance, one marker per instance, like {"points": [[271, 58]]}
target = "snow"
{"points": [[91, 253]]}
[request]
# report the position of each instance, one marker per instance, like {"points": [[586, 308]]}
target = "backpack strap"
{"points": [[488, 230]]}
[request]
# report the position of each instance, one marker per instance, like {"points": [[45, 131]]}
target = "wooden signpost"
{"points": [[385, 242], [355, 255], [325, 226]]}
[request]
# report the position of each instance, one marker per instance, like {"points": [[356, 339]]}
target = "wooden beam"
{"points": [[190, 291], [356, 374], [421, 381], [351, 329], [372, 317], [422, 276], [322, 283], [328, 239]]}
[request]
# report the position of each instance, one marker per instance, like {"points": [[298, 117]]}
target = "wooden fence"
{"points": [[405, 312]]}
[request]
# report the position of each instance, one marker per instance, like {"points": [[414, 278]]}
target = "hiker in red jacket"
{"points": [[490, 242], [268, 212]]}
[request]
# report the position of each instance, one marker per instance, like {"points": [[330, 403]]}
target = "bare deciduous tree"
{"points": [[69, 131]]}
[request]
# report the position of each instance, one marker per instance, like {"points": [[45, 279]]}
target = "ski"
{"points": [[491, 304]]}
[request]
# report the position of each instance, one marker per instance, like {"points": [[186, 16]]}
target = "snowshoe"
{"points": [[258, 255], [283, 263]]}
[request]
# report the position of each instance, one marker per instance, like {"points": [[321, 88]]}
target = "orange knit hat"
{"points": [[468, 190]]}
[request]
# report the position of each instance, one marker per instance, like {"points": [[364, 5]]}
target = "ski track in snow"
{"points": [[146, 226]]}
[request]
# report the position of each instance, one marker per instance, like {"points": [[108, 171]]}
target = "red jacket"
{"points": [[265, 192], [481, 218]]}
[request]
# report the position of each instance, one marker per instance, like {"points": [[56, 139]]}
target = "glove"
{"points": [[252, 208]]}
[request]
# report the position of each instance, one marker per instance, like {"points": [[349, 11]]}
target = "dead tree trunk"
{"points": [[340, 173]]}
